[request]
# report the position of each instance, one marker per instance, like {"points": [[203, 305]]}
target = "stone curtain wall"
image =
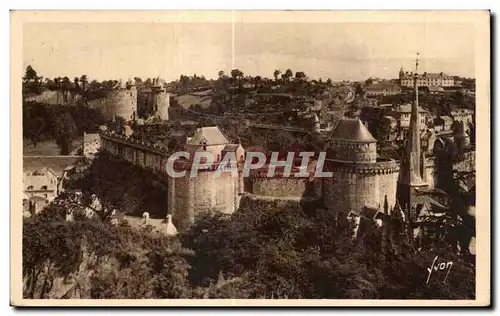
{"points": [[279, 187]]}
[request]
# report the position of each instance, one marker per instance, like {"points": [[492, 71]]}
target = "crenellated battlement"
{"points": [[133, 142], [380, 167]]}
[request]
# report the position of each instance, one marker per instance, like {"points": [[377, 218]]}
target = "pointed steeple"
{"points": [[411, 169]]}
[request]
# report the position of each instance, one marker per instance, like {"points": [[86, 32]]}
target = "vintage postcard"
{"points": [[250, 158]]}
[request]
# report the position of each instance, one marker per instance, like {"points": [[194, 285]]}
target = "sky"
{"points": [[340, 51]]}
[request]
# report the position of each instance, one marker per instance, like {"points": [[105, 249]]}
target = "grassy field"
{"points": [[46, 148]]}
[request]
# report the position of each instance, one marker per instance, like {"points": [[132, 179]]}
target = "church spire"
{"points": [[410, 173]]}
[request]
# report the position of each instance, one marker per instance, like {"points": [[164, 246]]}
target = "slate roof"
{"points": [[55, 163], [231, 147], [435, 89], [406, 108], [382, 86], [211, 135], [352, 130]]}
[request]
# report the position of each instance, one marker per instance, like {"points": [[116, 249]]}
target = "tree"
{"points": [[65, 88], [276, 73], [300, 75], [138, 81], [257, 81], [288, 74], [65, 132], [358, 90], [30, 75], [31, 82], [380, 127], [329, 82], [84, 81], [185, 82], [77, 84]]}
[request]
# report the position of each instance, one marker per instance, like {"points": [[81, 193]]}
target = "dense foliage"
{"points": [[62, 123], [267, 249]]}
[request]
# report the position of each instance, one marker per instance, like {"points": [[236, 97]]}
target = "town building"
{"points": [[44, 179], [435, 90], [402, 113], [463, 115], [427, 79], [443, 123], [382, 89], [40, 188]]}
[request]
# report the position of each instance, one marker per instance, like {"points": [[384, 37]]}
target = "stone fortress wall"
{"points": [[352, 185], [187, 196]]}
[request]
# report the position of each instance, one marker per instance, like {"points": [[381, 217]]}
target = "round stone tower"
{"points": [[351, 141], [124, 101], [357, 178], [160, 99]]}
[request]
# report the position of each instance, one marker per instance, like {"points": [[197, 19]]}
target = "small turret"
{"points": [[171, 230], [145, 218], [317, 124]]}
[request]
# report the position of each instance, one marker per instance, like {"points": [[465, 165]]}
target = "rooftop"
{"points": [[435, 89], [56, 163], [382, 86], [211, 135], [231, 147], [352, 130], [406, 108]]}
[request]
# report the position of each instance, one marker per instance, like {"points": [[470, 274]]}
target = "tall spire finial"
{"points": [[416, 63], [411, 172]]}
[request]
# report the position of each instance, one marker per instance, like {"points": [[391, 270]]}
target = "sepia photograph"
{"points": [[250, 158]]}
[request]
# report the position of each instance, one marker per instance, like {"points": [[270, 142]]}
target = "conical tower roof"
{"points": [[352, 130]]}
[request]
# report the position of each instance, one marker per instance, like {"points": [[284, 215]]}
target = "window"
{"points": [[44, 187], [30, 187]]}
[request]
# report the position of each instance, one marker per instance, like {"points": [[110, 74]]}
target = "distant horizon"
{"points": [[347, 51]]}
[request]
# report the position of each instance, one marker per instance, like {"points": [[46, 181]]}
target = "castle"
{"points": [[357, 176]]}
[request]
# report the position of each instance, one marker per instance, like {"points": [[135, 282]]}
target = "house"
{"points": [[44, 179], [443, 123], [40, 188], [463, 115], [435, 89], [382, 89], [403, 112], [42, 183], [393, 123]]}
